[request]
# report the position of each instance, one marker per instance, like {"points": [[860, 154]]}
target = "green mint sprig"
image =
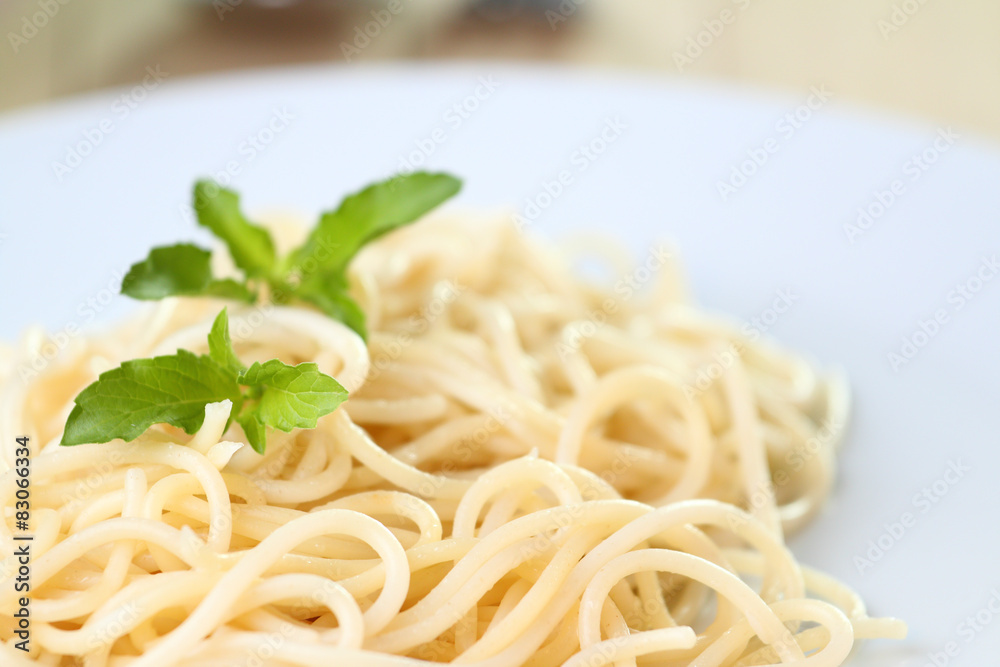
{"points": [[174, 389], [314, 273]]}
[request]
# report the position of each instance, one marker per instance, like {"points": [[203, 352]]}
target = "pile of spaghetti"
{"points": [[530, 470]]}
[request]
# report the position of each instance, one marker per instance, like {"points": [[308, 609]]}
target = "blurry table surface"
{"points": [[927, 59]]}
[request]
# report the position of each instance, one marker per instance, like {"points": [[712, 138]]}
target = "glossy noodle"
{"points": [[530, 470]]}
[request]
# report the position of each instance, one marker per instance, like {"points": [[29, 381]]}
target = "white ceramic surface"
{"points": [[67, 236]]}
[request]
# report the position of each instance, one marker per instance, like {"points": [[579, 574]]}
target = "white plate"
{"points": [[67, 240]]}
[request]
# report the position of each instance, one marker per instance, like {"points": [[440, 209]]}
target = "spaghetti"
{"points": [[530, 470]]}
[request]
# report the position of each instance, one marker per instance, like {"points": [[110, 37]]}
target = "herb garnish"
{"points": [[315, 273], [174, 389]]}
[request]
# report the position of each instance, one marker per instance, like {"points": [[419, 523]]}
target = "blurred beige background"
{"points": [[937, 60]]}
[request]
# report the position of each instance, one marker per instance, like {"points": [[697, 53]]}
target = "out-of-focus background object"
{"points": [[930, 59]]}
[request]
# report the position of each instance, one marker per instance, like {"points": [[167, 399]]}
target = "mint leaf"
{"points": [[366, 215], [320, 264], [254, 429], [125, 401], [175, 389], [315, 273], [227, 288], [336, 304], [220, 345], [250, 245], [290, 396], [179, 270]]}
